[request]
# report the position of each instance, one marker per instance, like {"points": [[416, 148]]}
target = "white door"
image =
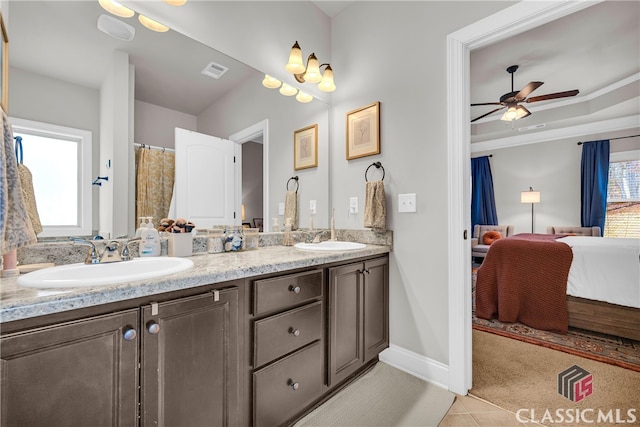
{"points": [[204, 179]]}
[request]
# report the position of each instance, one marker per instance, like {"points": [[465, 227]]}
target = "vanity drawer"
{"points": [[283, 389], [286, 291], [278, 335]]}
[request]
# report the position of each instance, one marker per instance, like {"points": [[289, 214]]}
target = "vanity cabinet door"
{"points": [[80, 373], [190, 361], [358, 317]]}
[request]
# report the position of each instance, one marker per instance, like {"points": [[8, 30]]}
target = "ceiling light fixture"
{"points": [[175, 2], [116, 28], [310, 73], [152, 25], [116, 8], [515, 112]]}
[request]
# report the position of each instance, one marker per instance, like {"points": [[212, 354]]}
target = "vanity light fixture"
{"points": [[152, 25], [288, 90], [116, 8], [271, 82], [304, 97], [175, 2], [310, 73]]}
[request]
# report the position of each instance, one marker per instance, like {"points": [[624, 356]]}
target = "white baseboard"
{"points": [[417, 365]]}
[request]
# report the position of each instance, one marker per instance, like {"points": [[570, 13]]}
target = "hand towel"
{"points": [[375, 207], [29, 197], [16, 230], [291, 208]]}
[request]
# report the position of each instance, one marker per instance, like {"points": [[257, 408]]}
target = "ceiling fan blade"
{"points": [[490, 112], [487, 103], [527, 90], [528, 113], [553, 96]]}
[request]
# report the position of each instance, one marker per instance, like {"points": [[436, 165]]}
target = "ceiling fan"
{"points": [[511, 101]]}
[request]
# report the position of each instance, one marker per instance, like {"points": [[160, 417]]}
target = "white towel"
{"points": [[291, 208], [375, 207]]}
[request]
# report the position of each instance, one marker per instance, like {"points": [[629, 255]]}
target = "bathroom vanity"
{"points": [[255, 338]]}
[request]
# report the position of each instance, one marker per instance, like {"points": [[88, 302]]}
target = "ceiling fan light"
{"points": [[152, 25], [327, 84], [312, 75], [287, 90], [510, 115], [271, 82], [116, 8], [295, 65], [304, 97]]}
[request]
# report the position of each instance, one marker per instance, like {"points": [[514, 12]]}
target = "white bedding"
{"points": [[605, 269]]}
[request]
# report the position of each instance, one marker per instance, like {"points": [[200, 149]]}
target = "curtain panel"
{"points": [[483, 203], [154, 183], [594, 180]]}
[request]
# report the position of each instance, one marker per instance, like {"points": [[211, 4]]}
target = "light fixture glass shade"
{"points": [[152, 25], [116, 8], [312, 75], [287, 90], [530, 196], [175, 2], [304, 97], [327, 84], [295, 65], [270, 82], [515, 113]]}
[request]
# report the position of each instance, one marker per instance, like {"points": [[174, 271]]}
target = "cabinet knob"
{"points": [[153, 327], [129, 333], [294, 385], [295, 332], [294, 289]]}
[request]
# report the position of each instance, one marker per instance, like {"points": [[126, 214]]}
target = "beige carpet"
{"points": [[517, 375], [384, 396]]}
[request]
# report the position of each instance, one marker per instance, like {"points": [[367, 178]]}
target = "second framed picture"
{"points": [[363, 131], [305, 148]]}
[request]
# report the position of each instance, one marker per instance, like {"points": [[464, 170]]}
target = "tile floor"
{"points": [[471, 411]]}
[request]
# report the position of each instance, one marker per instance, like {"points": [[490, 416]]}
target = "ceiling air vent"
{"points": [[539, 126], [214, 70]]}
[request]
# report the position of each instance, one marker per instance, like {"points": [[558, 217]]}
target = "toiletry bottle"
{"points": [[150, 243], [142, 226]]}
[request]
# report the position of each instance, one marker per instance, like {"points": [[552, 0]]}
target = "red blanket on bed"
{"points": [[523, 278]]}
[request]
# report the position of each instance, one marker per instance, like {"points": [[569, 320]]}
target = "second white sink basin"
{"points": [[329, 246], [89, 275]]}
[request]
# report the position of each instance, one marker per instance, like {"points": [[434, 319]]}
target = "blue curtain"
{"points": [[594, 173], [483, 202]]}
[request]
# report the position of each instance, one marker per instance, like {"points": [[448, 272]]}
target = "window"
{"points": [[623, 196], [59, 159]]}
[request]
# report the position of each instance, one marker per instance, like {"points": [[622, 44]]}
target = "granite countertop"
{"points": [[18, 303]]}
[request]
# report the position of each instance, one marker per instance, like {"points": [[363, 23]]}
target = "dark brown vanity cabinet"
{"points": [[80, 373], [358, 319], [189, 368], [288, 350]]}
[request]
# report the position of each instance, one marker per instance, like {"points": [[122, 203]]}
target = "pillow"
{"points": [[491, 236]]}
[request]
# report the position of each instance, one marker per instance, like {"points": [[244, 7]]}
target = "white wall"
{"points": [[155, 125], [395, 53]]}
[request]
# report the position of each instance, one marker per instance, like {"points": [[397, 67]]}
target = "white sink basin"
{"points": [[89, 275], [329, 246]]}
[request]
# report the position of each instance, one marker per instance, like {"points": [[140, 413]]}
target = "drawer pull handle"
{"points": [[129, 333], [295, 332], [294, 289], [294, 385], [153, 327]]}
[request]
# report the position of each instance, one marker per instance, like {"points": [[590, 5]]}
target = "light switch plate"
{"points": [[312, 206], [407, 202], [280, 208], [353, 205]]}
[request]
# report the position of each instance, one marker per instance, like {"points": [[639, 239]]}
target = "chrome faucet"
{"points": [[316, 238], [111, 252], [92, 256], [125, 254]]}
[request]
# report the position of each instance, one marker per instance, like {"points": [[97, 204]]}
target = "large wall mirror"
{"points": [[60, 60]]}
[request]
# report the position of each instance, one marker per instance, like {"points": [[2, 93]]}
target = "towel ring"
{"points": [[378, 165], [295, 178]]}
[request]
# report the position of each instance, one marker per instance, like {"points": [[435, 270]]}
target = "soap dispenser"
{"points": [[150, 244], [142, 226]]}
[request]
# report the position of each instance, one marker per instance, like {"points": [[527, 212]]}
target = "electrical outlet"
{"points": [[353, 205], [407, 202], [312, 206], [280, 208]]}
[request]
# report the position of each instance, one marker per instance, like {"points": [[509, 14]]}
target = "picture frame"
{"points": [[4, 67], [305, 147], [363, 131]]}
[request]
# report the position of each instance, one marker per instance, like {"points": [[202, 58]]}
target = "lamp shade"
{"points": [[515, 112], [327, 84], [304, 97], [312, 75], [152, 25], [116, 8], [295, 65], [287, 90], [530, 196], [271, 82]]}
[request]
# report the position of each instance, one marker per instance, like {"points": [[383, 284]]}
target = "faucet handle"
{"points": [[92, 256], [126, 254]]}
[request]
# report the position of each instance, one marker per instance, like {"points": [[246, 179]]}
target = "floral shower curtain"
{"points": [[154, 183]]}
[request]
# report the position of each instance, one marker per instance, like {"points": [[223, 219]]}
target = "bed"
{"points": [[553, 282]]}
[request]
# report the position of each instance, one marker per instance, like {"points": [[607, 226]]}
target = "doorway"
{"points": [[516, 19]]}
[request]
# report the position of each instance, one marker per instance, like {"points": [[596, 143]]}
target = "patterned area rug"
{"points": [[591, 345]]}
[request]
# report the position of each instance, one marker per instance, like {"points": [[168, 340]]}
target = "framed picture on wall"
{"points": [[363, 131], [305, 148]]}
